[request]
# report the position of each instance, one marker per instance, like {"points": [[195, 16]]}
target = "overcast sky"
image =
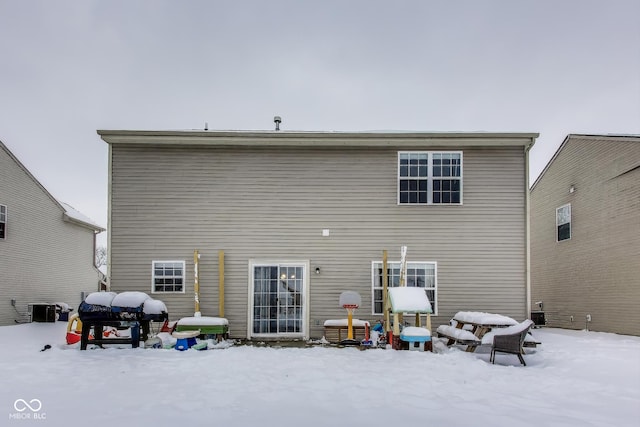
{"points": [[69, 68]]}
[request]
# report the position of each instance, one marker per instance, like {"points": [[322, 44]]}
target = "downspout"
{"points": [[95, 246], [527, 247], [109, 206]]}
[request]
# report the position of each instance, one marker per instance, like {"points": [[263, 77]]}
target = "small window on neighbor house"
{"points": [[419, 274], [563, 223], [3, 221], [168, 276], [426, 178]]}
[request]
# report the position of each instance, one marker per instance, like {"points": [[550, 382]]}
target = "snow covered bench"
{"points": [[334, 328], [457, 335]]}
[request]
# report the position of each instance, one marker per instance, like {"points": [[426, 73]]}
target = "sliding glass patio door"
{"points": [[278, 296]]}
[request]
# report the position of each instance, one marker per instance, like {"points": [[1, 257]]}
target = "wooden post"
{"points": [[220, 283], [196, 284], [396, 325], [385, 293]]}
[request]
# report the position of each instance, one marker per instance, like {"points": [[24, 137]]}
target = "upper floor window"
{"points": [[168, 276], [426, 177], [3, 221], [563, 223], [419, 274]]}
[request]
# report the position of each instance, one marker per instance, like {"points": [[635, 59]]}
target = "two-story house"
{"points": [[303, 216], [585, 234], [46, 247]]}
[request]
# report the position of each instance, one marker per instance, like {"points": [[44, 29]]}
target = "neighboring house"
{"points": [[46, 247], [585, 235], [304, 216]]}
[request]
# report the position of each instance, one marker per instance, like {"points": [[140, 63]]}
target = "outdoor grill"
{"points": [[133, 310]]}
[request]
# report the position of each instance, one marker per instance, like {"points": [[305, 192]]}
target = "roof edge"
{"points": [[580, 136], [65, 211], [319, 138]]}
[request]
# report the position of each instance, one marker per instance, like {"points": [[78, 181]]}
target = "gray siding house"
{"points": [[585, 235], [304, 216], [46, 247]]}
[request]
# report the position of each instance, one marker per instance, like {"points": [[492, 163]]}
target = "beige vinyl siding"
{"points": [[43, 258], [597, 271], [273, 203]]}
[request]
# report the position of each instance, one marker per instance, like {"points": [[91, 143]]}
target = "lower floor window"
{"points": [[168, 276], [419, 274]]}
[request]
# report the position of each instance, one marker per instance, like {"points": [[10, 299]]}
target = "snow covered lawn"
{"points": [[575, 378]]}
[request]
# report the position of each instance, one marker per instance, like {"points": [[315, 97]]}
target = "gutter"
{"points": [[527, 244]]}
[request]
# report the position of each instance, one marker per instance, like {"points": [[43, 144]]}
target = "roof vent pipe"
{"points": [[277, 120]]}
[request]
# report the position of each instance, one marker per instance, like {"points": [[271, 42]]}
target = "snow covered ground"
{"points": [[575, 378]]}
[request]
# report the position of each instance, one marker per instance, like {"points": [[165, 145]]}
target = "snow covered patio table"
{"points": [[469, 327]]}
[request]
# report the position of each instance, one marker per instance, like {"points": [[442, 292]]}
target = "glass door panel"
{"points": [[278, 299]]}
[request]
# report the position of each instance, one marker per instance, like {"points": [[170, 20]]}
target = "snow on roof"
{"points": [[77, 217], [203, 321], [100, 298], [344, 322], [481, 318], [409, 300], [129, 299]]}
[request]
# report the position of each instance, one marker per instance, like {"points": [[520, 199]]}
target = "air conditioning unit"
{"points": [[538, 318], [43, 312]]}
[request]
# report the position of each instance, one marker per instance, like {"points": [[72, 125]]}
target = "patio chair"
{"points": [[510, 340]]}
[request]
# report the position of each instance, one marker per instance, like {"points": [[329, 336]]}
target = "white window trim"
{"points": [[430, 178], [153, 276], [570, 222], [373, 281], [305, 264]]}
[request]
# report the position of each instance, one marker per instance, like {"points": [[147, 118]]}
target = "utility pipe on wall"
{"points": [[220, 283], [196, 284]]}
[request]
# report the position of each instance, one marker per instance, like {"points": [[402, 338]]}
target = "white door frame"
{"points": [[304, 334]]}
